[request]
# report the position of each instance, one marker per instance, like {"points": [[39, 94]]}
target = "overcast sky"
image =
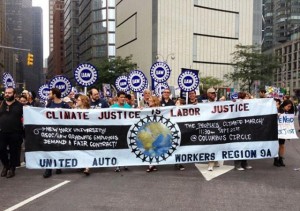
{"points": [[44, 4]]}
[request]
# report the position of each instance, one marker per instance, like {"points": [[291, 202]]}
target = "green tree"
{"points": [[109, 69], [251, 65], [208, 82]]}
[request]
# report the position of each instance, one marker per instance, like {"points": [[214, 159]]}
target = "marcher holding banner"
{"points": [[54, 102], [167, 101], [95, 100], [83, 102], [153, 102], [211, 97], [121, 104], [144, 103], [241, 165], [285, 108], [192, 98], [11, 133]]}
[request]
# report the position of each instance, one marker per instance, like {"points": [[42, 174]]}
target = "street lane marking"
{"points": [[209, 175], [36, 196]]}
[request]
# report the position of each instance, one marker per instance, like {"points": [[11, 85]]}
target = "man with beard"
{"points": [[95, 100], [55, 102], [11, 133]]}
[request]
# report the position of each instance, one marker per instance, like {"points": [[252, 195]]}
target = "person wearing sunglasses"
{"points": [[167, 101]]}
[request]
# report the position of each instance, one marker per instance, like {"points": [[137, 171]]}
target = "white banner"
{"points": [[286, 127], [74, 138]]}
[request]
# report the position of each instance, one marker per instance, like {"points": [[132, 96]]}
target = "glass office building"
{"points": [[96, 30]]}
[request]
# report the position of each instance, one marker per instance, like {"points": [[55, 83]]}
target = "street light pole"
{"points": [[166, 61], [13, 48]]}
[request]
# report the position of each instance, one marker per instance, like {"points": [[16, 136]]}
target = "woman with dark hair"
{"points": [[83, 102], [285, 108]]}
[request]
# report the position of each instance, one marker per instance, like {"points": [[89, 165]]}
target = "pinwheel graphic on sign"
{"points": [[122, 84], [159, 88], [137, 81], [160, 72], [8, 81], [44, 91], [188, 81], [62, 83], [86, 74]]}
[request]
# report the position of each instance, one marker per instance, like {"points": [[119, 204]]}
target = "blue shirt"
{"points": [[116, 105]]}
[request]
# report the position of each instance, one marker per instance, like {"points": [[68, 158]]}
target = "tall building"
{"points": [[35, 80], [280, 20], [71, 37], [19, 29], [96, 30], [288, 75], [2, 35], [196, 34], [56, 57], [8, 58], [51, 12]]}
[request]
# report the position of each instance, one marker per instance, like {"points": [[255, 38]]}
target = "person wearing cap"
{"points": [[25, 94], [211, 97]]}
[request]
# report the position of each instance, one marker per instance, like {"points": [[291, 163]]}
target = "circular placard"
{"points": [[8, 81], [62, 83], [160, 72], [159, 88], [86, 74], [137, 80], [44, 92], [188, 81], [121, 83]]}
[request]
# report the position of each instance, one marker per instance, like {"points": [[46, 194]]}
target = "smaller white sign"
{"points": [[286, 127]]}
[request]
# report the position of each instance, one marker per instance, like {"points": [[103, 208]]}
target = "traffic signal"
{"points": [[29, 59]]}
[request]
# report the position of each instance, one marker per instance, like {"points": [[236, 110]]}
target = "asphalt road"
{"points": [[264, 187]]}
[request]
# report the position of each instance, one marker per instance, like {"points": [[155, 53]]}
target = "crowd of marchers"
{"points": [[12, 136]]}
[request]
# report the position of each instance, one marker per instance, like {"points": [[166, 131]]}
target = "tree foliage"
{"points": [[251, 65], [111, 68], [210, 81]]}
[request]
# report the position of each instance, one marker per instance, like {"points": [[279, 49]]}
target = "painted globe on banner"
{"points": [[154, 139]]}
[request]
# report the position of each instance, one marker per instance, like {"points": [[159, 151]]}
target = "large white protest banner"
{"points": [[286, 127], [77, 138]]}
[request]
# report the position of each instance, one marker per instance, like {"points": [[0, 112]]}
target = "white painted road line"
{"points": [[209, 175], [36, 196]]}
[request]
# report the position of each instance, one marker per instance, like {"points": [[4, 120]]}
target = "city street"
{"points": [[265, 187]]}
